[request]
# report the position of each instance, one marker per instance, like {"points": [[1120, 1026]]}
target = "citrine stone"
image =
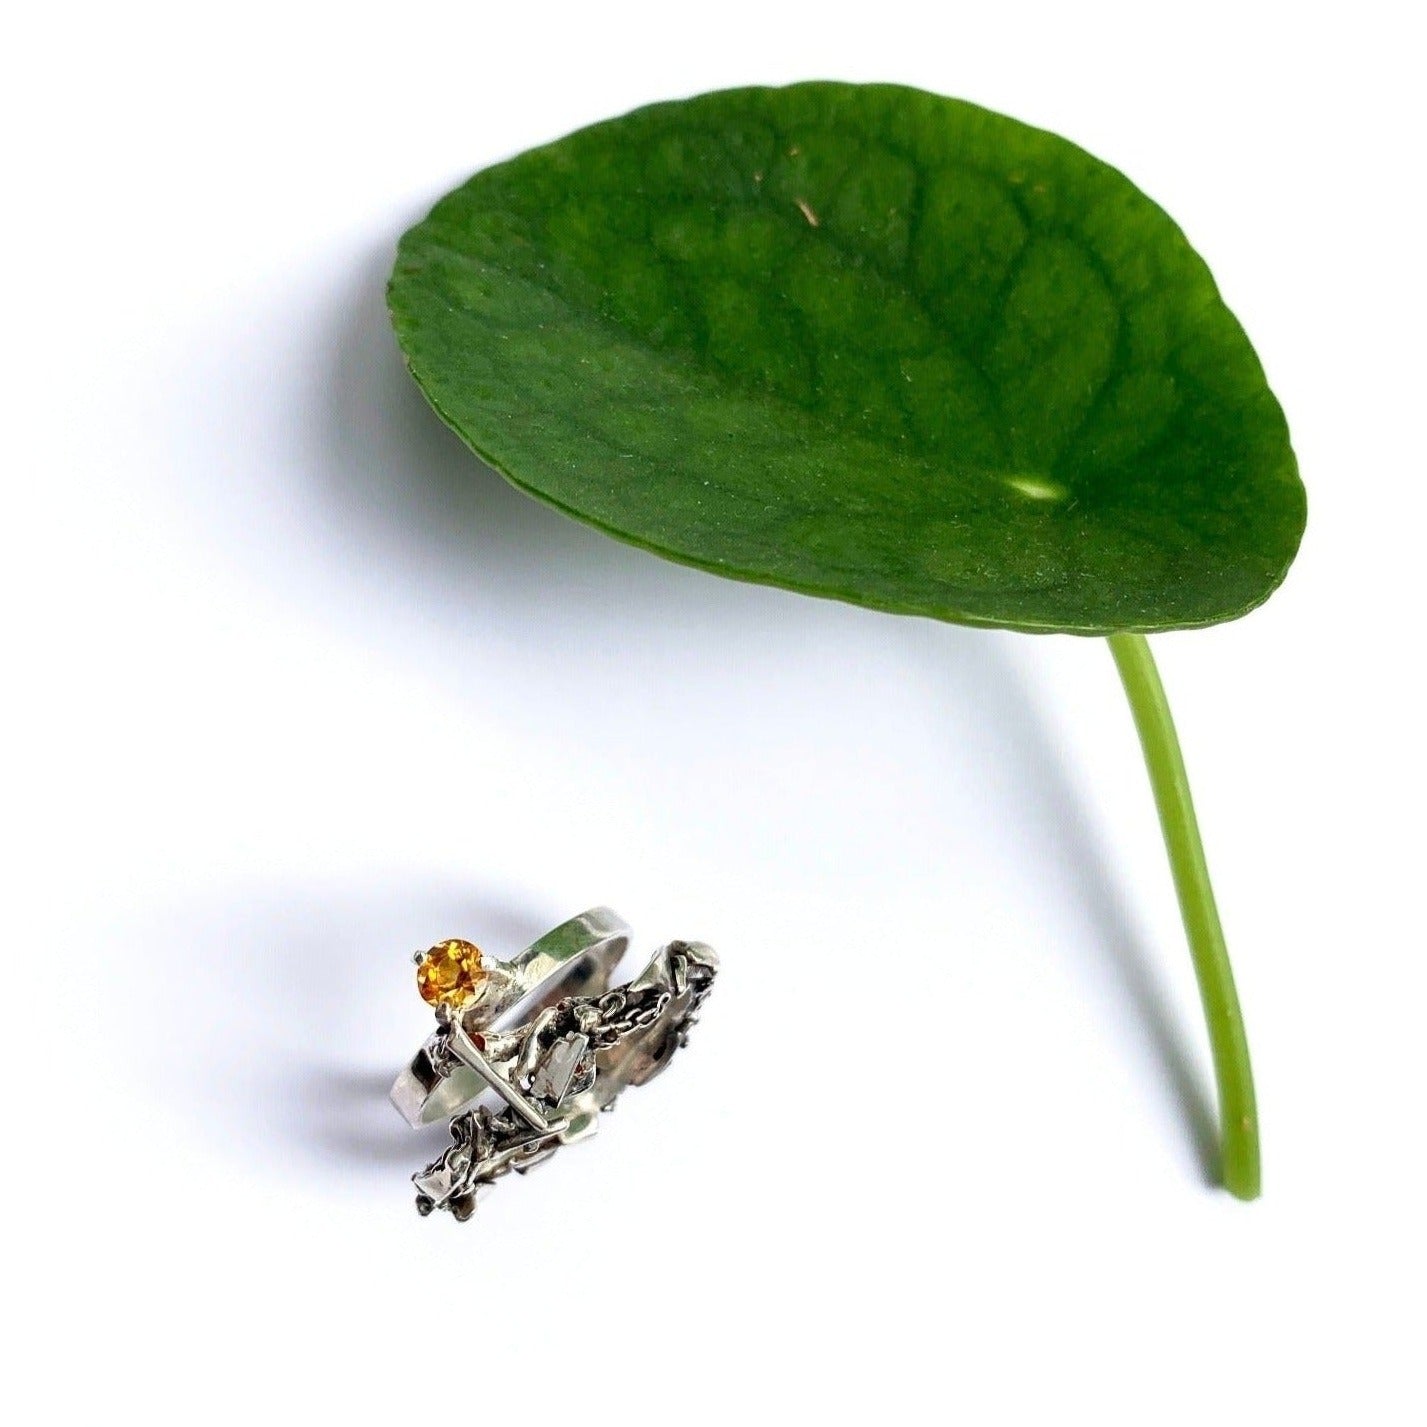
{"points": [[450, 973]]}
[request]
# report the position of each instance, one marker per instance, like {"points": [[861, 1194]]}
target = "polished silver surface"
{"points": [[557, 1071], [577, 958]]}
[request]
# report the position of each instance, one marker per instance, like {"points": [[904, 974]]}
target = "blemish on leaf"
{"points": [[1037, 488], [805, 208]]}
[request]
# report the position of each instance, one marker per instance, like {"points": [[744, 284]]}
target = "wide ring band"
{"points": [[577, 958]]}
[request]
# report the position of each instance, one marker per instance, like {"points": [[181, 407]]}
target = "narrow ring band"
{"points": [[577, 958]]}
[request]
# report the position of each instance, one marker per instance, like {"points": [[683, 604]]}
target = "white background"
{"points": [[296, 687]]}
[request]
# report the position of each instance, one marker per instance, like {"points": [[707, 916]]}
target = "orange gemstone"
{"points": [[449, 974]]}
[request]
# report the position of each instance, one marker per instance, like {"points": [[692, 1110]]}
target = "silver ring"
{"points": [[577, 958], [553, 1073]]}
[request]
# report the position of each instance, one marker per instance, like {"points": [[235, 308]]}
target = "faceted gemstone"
{"points": [[449, 974]]}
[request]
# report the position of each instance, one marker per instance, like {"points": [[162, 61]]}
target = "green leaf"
{"points": [[864, 342]]}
